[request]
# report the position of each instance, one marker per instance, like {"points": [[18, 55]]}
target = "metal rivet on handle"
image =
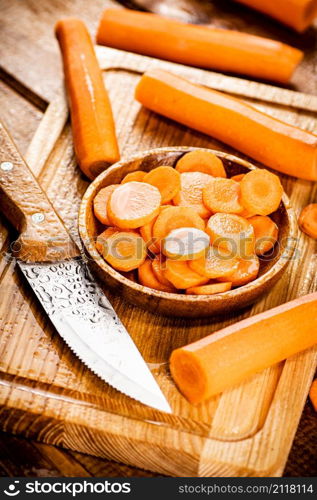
{"points": [[38, 217], [6, 166]]}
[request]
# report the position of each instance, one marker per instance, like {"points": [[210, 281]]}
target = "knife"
{"points": [[53, 266]]}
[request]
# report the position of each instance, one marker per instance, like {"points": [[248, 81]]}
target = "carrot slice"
{"points": [[313, 394], [148, 278], [124, 250], [222, 195], [92, 122], [274, 143], [227, 357], [201, 161], [158, 267], [217, 264], [298, 14], [231, 232], [181, 275], [147, 233], [202, 46], [308, 220], [100, 203], [191, 192], [211, 289], [238, 177], [134, 204], [248, 270], [185, 243], [137, 176], [173, 218], [261, 191], [166, 179], [265, 232]]}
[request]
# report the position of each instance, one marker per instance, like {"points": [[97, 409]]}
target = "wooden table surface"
{"points": [[31, 76]]}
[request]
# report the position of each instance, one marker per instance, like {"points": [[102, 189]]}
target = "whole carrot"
{"points": [[278, 145], [227, 357], [93, 127], [298, 14], [206, 47]]}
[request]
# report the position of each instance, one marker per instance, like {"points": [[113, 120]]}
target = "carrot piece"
{"points": [[211, 289], [308, 220], [93, 127], [232, 233], [274, 143], [206, 47], [201, 161], [265, 232], [218, 263], [238, 177], [166, 179], [173, 218], [158, 267], [298, 14], [191, 192], [261, 191], [123, 250], [134, 204], [148, 278], [227, 357], [248, 270], [222, 195], [313, 394], [181, 275], [185, 243], [100, 203], [137, 175], [147, 233]]}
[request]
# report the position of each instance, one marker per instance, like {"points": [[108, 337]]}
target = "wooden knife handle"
{"points": [[43, 236]]}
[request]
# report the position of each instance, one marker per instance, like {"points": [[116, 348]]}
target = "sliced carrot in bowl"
{"points": [[261, 191], [173, 218], [101, 202], [222, 195], [201, 161], [137, 176], [232, 233], [211, 289], [185, 243], [181, 275], [218, 263], [266, 233], [148, 278], [124, 250], [248, 270], [191, 192], [166, 179]]}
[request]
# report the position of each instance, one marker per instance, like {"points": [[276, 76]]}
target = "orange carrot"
{"points": [[203, 161], [261, 191], [147, 233], [191, 192], [137, 175], [206, 47], [100, 203], [133, 204], [186, 243], [217, 264], [166, 179], [181, 275], [173, 218], [93, 128], [158, 267], [313, 394], [308, 220], [124, 250], [222, 195], [211, 289], [238, 177], [247, 270], [227, 357], [265, 232], [279, 145], [298, 14], [232, 233], [148, 278]]}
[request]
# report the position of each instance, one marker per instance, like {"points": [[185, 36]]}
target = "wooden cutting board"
{"points": [[47, 394]]}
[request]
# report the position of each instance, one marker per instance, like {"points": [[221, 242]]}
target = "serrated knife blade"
{"points": [[61, 280]]}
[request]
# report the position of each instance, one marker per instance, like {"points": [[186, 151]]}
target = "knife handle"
{"points": [[43, 236]]}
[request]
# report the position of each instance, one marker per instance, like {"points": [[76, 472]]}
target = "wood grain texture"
{"points": [[47, 394]]}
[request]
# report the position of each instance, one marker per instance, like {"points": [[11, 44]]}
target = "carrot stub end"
{"points": [[308, 220]]}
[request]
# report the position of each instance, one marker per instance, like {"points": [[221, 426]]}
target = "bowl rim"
{"points": [[116, 275]]}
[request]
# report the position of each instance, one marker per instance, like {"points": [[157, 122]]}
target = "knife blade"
{"points": [[61, 280]]}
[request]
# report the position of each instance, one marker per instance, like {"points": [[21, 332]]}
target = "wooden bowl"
{"points": [[179, 304]]}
